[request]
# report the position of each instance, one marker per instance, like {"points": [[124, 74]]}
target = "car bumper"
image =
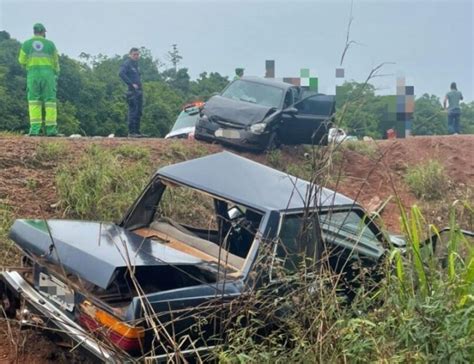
{"points": [[246, 140], [56, 318], [42, 307]]}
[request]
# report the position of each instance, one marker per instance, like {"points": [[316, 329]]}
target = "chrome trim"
{"points": [[54, 314]]}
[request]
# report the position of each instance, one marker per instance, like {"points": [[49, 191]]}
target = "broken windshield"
{"points": [[255, 93]]}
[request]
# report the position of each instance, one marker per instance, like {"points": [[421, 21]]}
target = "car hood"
{"points": [[220, 108], [92, 250]]}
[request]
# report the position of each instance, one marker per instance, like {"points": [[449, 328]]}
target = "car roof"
{"points": [[248, 183], [267, 81]]}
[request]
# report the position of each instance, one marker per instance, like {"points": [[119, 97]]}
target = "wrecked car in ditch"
{"points": [[136, 289], [185, 124], [259, 114]]}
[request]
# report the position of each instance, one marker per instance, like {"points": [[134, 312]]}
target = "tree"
{"points": [[467, 118], [428, 116], [359, 110], [174, 56], [207, 85]]}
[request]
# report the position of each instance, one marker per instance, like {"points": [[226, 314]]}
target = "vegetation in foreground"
{"points": [[421, 311]]}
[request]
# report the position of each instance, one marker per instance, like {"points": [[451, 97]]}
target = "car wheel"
{"points": [[273, 142]]}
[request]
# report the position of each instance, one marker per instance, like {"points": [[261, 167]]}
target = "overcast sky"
{"points": [[430, 42]]}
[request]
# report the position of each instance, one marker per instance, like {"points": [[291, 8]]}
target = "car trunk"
{"points": [[108, 263]]}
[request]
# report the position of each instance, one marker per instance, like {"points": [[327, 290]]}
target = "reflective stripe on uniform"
{"points": [[51, 113], [35, 110], [40, 61]]}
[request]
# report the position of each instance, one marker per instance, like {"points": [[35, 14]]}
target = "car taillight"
{"points": [[123, 335]]}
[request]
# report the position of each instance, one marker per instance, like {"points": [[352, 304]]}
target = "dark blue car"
{"points": [[135, 288]]}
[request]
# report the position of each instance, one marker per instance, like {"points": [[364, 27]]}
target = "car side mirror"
{"points": [[290, 111]]}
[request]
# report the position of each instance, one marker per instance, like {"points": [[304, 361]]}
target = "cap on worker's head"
{"points": [[39, 28]]}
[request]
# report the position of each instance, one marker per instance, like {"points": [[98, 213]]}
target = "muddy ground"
{"points": [[371, 176]]}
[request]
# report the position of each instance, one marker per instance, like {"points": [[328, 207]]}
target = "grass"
{"points": [[8, 254], [132, 152], [103, 183], [368, 149], [421, 311], [427, 181], [50, 151]]}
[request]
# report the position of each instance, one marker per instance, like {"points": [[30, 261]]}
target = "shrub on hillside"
{"points": [[427, 181]]}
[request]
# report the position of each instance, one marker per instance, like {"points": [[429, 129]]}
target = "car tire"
{"points": [[273, 142]]}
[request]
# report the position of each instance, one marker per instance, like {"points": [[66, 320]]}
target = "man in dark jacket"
{"points": [[130, 74]]}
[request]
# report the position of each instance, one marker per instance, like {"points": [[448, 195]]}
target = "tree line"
{"points": [[91, 96]]}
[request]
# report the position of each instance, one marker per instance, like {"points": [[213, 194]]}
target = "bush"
{"points": [[427, 181], [103, 183]]}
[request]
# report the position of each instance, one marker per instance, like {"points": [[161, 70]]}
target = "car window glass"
{"points": [[186, 118], [295, 239], [188, 207], [342, 228], [316, 105], [346, 225], [255, 93]]}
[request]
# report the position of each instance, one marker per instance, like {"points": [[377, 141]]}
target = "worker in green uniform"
{"points": [[40, 57]]}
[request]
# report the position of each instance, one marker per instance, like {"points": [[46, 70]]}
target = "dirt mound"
{"points": [[372, 175]]}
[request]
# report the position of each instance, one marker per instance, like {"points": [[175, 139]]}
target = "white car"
{"points": [[338, 135], [185, 124]]}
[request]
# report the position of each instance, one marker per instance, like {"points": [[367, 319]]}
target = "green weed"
{"points": [[421, 311], [31, 184], [101, 185], [132, 152], [8, 253], [274, 158], [427, 181], [50, 151], [369, 149]]}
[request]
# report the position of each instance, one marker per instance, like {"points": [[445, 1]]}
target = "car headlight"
{"points": [[258, 128]]}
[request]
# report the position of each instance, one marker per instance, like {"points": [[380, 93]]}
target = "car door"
{"points": [[308, 120]]}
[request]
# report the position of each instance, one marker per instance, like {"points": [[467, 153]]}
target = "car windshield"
{"points": [[186, 118], [255, 93]]}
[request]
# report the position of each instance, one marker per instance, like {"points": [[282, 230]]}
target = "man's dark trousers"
{"points": [[135, 105]]}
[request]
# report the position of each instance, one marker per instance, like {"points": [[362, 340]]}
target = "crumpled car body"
{"points": [[185, 124], [257, 114], [129, 290]]}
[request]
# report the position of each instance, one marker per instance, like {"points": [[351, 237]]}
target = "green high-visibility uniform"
{"points": [[40, 57]]}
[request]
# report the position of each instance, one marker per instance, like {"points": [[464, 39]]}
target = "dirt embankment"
{"points": [[370, 176]]}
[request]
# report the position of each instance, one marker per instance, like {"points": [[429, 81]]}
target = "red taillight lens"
{"points": [[126, 337]]}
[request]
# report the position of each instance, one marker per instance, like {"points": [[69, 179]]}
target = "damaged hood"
{"points": [[92, 250], [234, 111]]}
